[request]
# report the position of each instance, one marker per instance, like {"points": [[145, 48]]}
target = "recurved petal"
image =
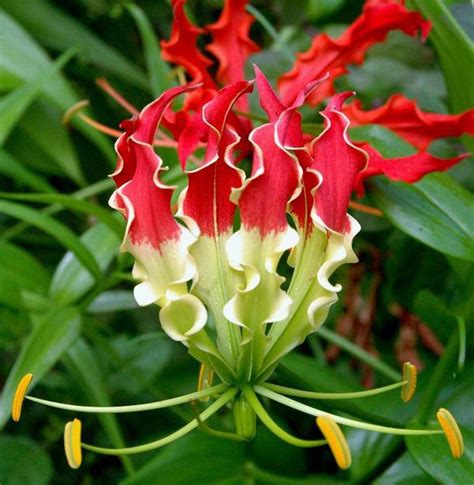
{"points": [[182, 49], [407, 119], [408, 169], [334, 55], [183, 317]]}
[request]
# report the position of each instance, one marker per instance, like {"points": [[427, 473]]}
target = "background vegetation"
{"points": [[66, 309]]}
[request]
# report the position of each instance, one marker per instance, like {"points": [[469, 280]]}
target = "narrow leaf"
{"points": [[70, 202], [14, 104], [71, 280], [158, 70], [55, 229]]}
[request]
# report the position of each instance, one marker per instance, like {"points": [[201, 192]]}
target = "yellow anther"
{"points": [[72, 443], [19, 397], [451, 431], [409, 376], [206, 376], [336, 441]]}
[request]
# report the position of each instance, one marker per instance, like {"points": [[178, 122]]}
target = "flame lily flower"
{"points": [[212, 268], [198, 262]]}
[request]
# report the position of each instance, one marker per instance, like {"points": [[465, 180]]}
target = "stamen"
{"points": [[206, 414], [74, 109], [105, 86], [72, 443], [134, 407], [409, 376], [451, 431], [339, 419], [206, 376], [336, 441], [273, 427], [19, 396], [288, 391], [373, 211], [99, 126]]}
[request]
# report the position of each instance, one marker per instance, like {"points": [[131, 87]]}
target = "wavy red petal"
{"points": [[275, 173], [231, 44], [404, 117], [141, 196], [339, 162], [182, 49], [407, 169], [334, 55], [207, 199]]}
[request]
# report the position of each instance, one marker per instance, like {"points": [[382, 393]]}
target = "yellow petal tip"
{"points": [[409, 376], [336, 441], [19, 396], [72, 443], [452, 432]]}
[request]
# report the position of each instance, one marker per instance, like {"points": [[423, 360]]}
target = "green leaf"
{"points": [[456, 55], [27, 270], [433, 455], [213, 460], [55, 229], [43, 125], [158, 70], [28, 63], [14, 104], [23, 462], [82, 364], [404, 470], [436, 211], [388, 143], [71, 281], [113, 301], [70, 202], [51, 336], [144, 358], [60, 31], [15, 170]]}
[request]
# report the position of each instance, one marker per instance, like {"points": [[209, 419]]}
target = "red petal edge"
{"points": [[333, 55], [404, 117], [141, 197], [338, 162], [407, 169], [207, 199]]}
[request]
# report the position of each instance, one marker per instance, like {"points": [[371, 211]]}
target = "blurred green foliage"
{"points": [[66, 309]]}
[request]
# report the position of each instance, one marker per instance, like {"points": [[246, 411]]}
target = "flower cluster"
{"points": [[214, 266]]}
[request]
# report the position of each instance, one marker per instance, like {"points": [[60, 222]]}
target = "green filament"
{"points": [[135, 407]]}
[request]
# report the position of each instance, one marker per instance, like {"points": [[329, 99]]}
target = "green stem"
{"points": [[273, 427], [339, 419], [288, 391], [193, 396], [359, 353], [212, 409], [438, 378], [462, 343]]}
